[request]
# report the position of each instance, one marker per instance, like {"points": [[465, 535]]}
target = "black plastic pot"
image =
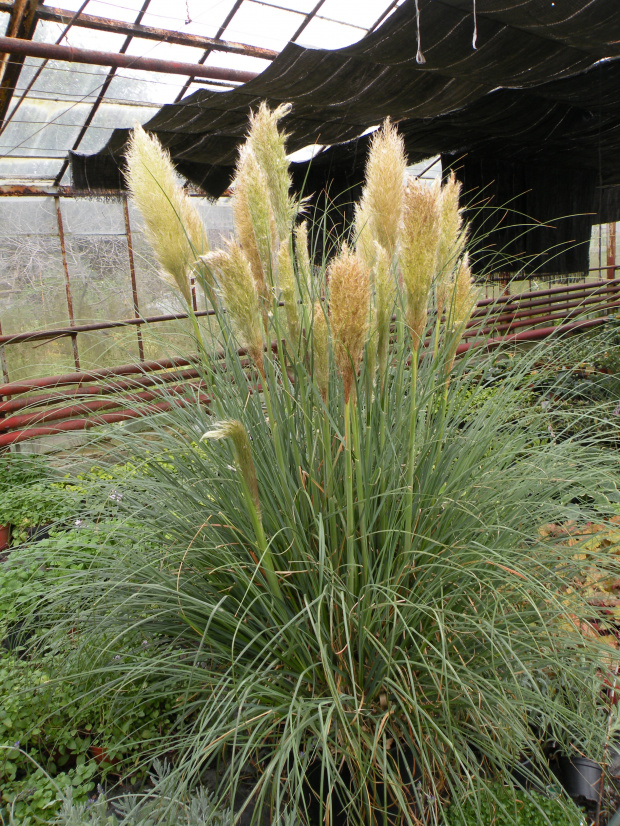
{"points": [[580, 777]]}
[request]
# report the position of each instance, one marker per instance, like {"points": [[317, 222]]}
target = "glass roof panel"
{"points": [[24, 170], [139, 87], [78, 37], [294, 5], [4, 19], [47, 121], [203, 17], [353, 12], [243, 62], [127, 10], [326, 34], [40, 127], [259, 25], [112, 116]]}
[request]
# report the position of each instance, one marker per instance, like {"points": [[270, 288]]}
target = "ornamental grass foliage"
{"points": [[344, 567]]}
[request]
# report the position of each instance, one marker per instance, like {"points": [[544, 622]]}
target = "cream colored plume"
{"points": [[349, 304], [173, 226], [268, 145], [452, 239], [320, 349], [289, 292], [418, 251], [464, 295], [385, 295], [302, 255], [240, 297], [379, 213], [235, 431], [462, 303], [254, 220]]}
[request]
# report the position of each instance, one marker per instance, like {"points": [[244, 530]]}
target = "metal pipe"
{"points": [[84, 391], [61, 235], [533, 335], [594, 285], [105, 24], [82, 424], [132, 273], [51, 51], [28, 419], [41, 335]]}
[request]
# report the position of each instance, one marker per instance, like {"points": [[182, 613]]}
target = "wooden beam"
{"points": [[104, 24], [22, 22]]}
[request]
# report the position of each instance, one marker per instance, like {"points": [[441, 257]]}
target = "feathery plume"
{"points": [[464, 295], [385, 293], [320, 349], [289, 292], [349, 303], [302, 255], [382, 198], [173, 226], [462, 303], [235, 431], [254, 220], [364, 234], [418, 251], [452, 239], [268, 145], [240, 297]]}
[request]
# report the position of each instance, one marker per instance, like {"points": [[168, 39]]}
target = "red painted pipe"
{"points": [[15, 405], [52, 51], [593, 285], [50, 415], [83, 424], [533, 335]]}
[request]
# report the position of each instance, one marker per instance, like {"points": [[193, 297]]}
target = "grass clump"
{"points": [[346, 575]]}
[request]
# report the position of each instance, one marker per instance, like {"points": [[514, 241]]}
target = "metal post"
{"points": [[61, 235], [132, 271], [611, 250], [3, 365]]}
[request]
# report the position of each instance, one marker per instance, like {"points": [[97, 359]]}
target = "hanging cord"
{"points": [[419, 58], [475, 37]]}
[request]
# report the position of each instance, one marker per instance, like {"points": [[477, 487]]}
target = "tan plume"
{"points": [[382, 199], [452, 239], [235, 431], [289, 292], [268, 145], [349, 302], [173, 226], [418, 251], [320, 349], [240, 297]]}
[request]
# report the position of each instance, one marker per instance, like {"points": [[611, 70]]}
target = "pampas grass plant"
{"points": [[345, 562]]}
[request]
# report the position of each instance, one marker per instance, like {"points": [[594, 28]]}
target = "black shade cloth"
{"points": [[542, 88]]}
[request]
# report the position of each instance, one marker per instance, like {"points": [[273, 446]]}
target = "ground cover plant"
{"points": [[340, 560]]}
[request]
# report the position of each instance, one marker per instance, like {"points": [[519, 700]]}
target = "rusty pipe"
{"points": [[52, 51]]}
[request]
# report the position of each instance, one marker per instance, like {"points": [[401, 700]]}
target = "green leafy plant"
{"points": [[341, 561], [507, 806], [151, 807]]}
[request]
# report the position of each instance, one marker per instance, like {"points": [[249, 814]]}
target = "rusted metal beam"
{"points": [[105, 24], [95, 326], [61, 235], [15, 46], [611, 250], [21, 26]]}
